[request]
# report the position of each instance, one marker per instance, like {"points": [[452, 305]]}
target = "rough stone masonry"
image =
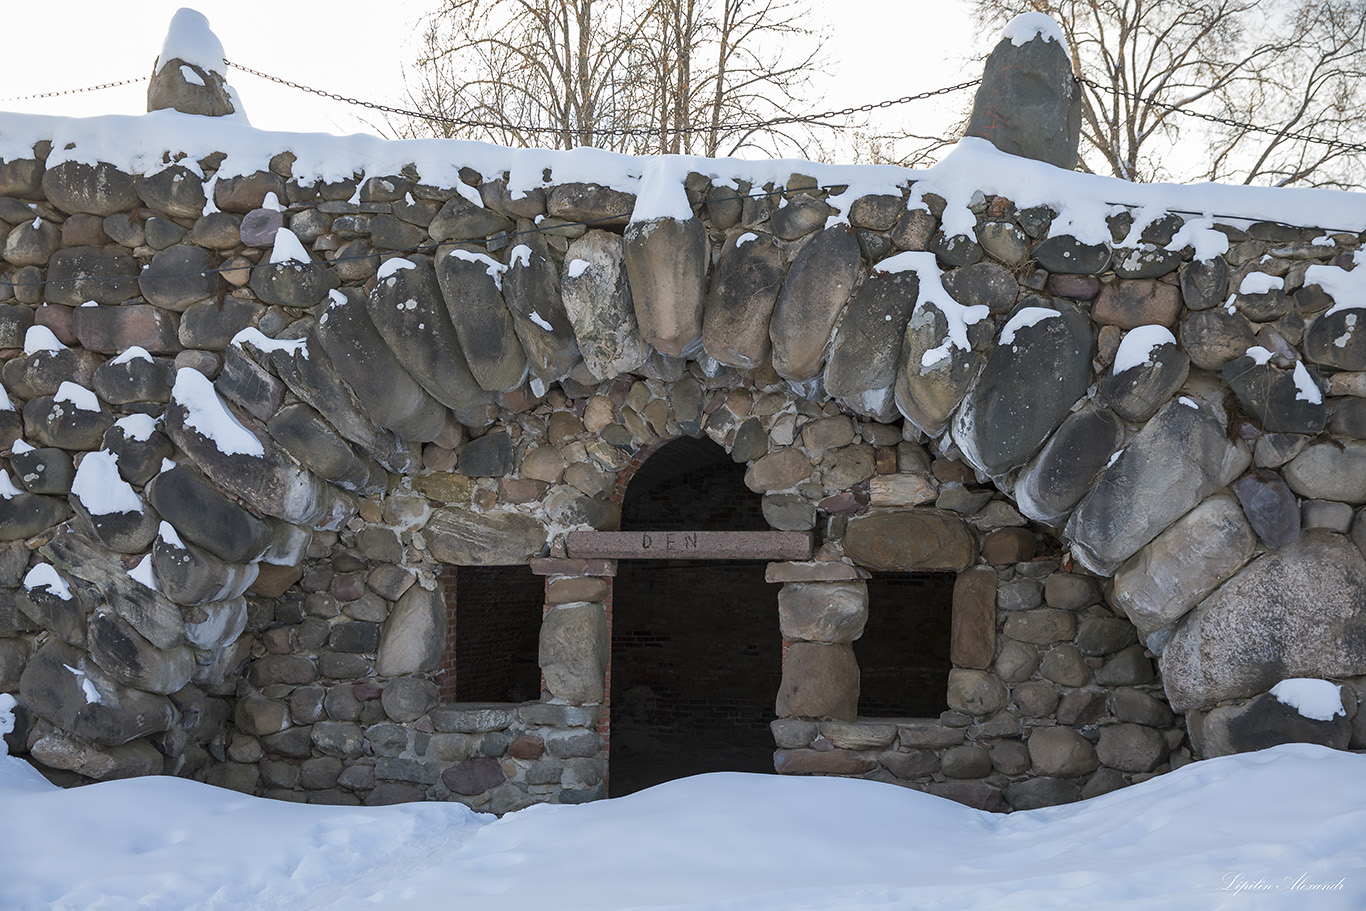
{"points": [[254, 414]]}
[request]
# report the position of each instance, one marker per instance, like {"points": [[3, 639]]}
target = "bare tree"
{"points": [[674, 76], [1290, 67]]}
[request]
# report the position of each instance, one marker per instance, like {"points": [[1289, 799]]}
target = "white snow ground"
{"points": [[1279, 829]]}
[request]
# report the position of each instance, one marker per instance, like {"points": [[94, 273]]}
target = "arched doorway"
{"points": [[696, 651]]}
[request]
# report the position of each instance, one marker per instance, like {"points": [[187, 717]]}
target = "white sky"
{"points": [[879, 49]]}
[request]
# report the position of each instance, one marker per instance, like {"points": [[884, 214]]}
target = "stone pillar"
{"points": [[1028, 103], [188, 74], [822, 608], [575, 633]]}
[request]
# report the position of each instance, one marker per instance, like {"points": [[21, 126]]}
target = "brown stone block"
{"points": [[273, 581], [576, 588], [1130, 303], [813, 571], [815, 762], [819, 681], [559, 566], [1008, 545], [897, 540], [973, 636]]}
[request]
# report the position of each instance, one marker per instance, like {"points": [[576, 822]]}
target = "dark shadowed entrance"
{"points": [[696, 652]]}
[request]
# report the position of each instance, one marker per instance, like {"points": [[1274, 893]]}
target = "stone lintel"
{"points": [[814, 571], [559, 566], [691, 545]]}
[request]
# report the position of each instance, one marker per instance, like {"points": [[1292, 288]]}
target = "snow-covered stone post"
{"points": [[188, 74], [1028, 103]]}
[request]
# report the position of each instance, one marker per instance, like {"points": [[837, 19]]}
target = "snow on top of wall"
{"points": [[1026, 26], [1315, 699], [206, 413], [189, 38], [100, 489], [145, 143]]}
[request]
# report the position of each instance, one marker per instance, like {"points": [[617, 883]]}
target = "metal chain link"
{"points": [[88, 88], [624, 131], [1224, 121]]}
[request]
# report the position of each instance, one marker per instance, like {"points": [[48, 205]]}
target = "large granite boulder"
{"points": [[531, 289], [867, 343], [1293, 612], [408, 310], [666, 261], [819, 283], [471, 283], [597, 296], [386, 391], [1180, 457], [468, 538], [1175, 571], [1066, 468], [1008, 414], [62, 685], [744, 290]]}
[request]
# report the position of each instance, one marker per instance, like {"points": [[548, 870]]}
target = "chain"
{"points": [[89, 88], [1225, 121], [625, 131]]}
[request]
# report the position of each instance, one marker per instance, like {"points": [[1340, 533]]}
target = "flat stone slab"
{"points": [[561, 566], [690, 545], [814, 571]]}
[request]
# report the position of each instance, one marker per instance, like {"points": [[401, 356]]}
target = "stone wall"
{"points": [[290, 401]]}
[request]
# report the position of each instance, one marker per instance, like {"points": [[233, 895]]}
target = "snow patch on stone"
{"points": [[77, 395], [492, 268], [288, 248], [1137, 347], [393, 265], [100, 488], [139, 427], [1318, 700], [1025, 27], [45, 576], [1026, 317], [134, 353], [206, 414], [1260, 283], [262, 342], [41, 338]]}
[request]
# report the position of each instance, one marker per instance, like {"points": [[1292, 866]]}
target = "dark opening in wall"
{"points": [[691, 484], [493, 617], [696, 651], [903, 654], [696, 664]]}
